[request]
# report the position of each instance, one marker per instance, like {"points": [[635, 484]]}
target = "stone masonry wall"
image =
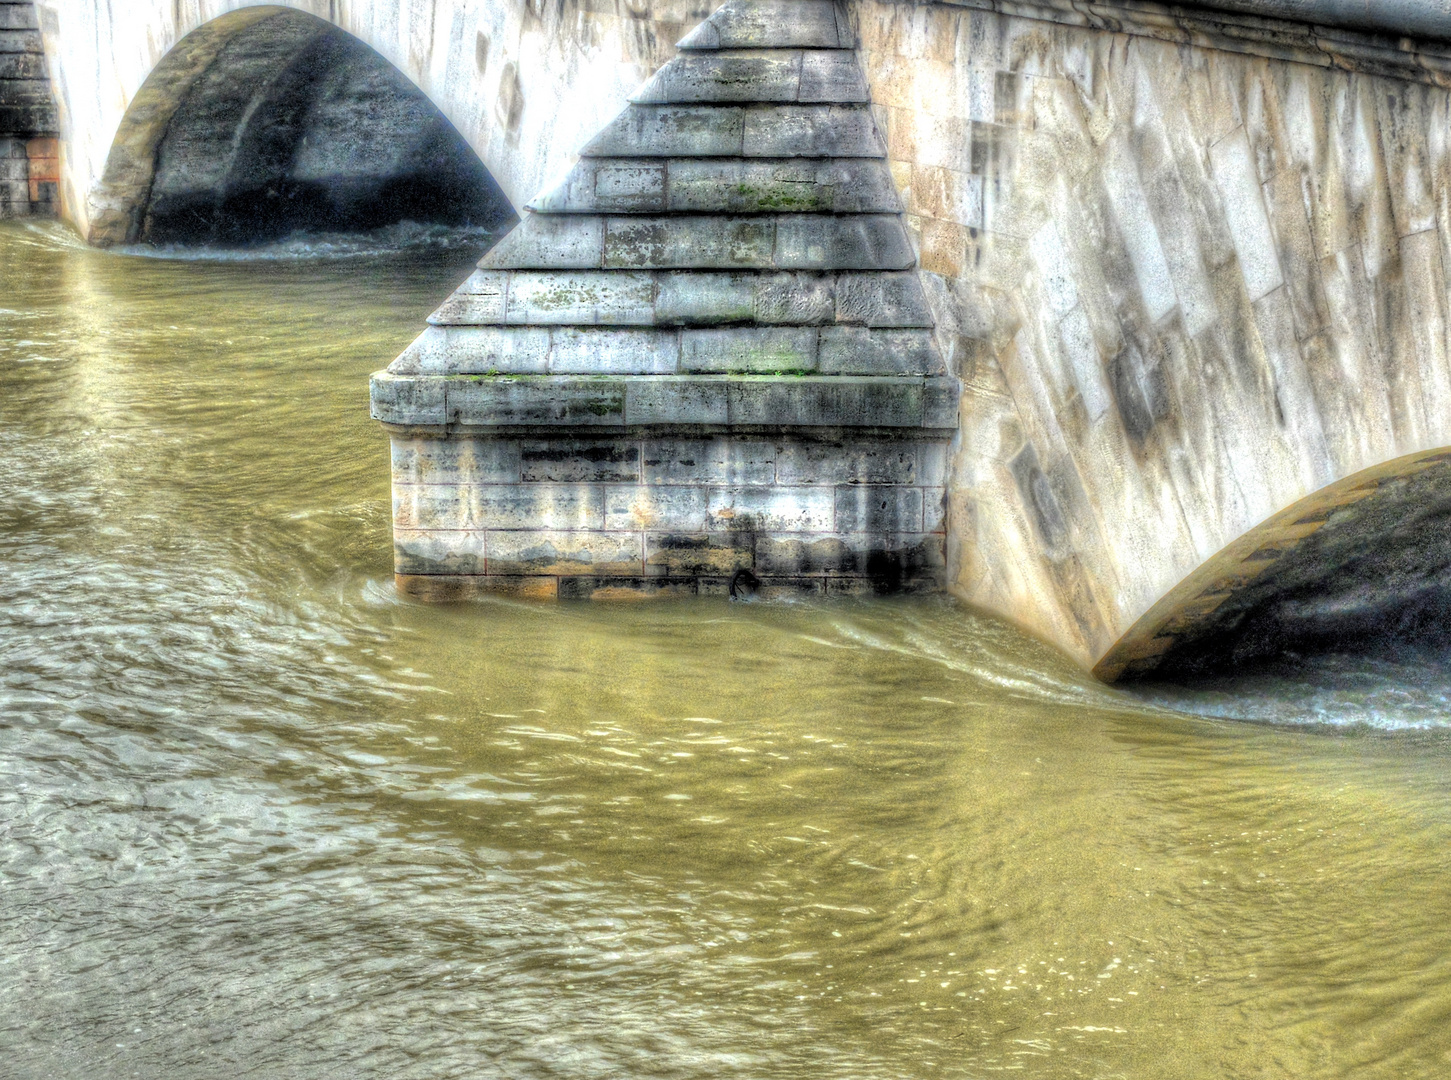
{"points": [[1183, 288], [660, 513], [29, 154]]}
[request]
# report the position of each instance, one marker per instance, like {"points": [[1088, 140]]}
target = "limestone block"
{"points": [[480, 299], [809, 553], [735, 76], [451, 588], [677, 400], [771, 509], [672, 131], [426, 460], [537, 506], [679, 508], [795, 299], [934, 509], [552, 551], [549, 241], [882, 300], [700, 553], [795, 184], [1244, 210], [873, 509], [707, 243], [939, 402], [403, 400], [682, 460], [433, 506], [14, 41], [860, 350], [471, 350], [755, 349], [831, 76], [551, 400], [578, 460], [18, 17], [14, 169], [771, 24], [821, 131], [827, 401], [932, 463], [605, 350], [854, 461], [592, 298], [417, 551], [705, 298], [604, 185], [855, 242]]}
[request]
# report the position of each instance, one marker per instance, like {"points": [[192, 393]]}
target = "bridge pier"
{"points": [[29, 152]]}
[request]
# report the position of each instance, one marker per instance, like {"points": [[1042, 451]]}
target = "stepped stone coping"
{"points": [[758, 75], [751, 131], [733, 186], [811, 24], [684, 298], [577, 350], [726, 402], [646, 242]]}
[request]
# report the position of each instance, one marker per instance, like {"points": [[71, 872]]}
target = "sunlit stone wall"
{"points": [[1183, 286]]}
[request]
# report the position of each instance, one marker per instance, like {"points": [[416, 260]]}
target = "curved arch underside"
{"points": [[271, 121], [1362, 564]]}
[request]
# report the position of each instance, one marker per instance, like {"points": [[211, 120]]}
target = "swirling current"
{"points": [[260, 817]]}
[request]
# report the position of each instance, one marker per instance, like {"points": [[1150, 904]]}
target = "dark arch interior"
{"points": [[1374, 579], [296, 126]]}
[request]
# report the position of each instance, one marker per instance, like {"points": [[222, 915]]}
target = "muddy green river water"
{"points": [[260, 817]]}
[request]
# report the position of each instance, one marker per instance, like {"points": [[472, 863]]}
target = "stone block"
{"points": [[819, 131], [831, 75], [612, 589], [696, 299], [455, 460], [419, 552], [479, 300], [851, 242], [607, 185], [451, 588], [934, 509], [764, 24], [745, 75], [579, 461], [863, 508], [882, 300], [21, 65], [538, 506], [492, 401], [704, 243], [550, 551], [18, 17], [404, 400], [599, 298], [932, 463], [475, 350], [681, 508], [682, 460], [940, 398], [13, 41], [14, 169], [854, 461], [433, 506], [671, 131], [771, 509], [795, 299], [755, 349], [606, 350], [859, 350], [549, 242], [688, 554], [677, 400], [826, 401], [809, 553]]}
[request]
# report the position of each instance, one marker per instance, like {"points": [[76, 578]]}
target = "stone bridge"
{"points": [[1153, 355]]}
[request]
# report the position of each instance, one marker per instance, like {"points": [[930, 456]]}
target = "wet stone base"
{"points": [[634, 516]]}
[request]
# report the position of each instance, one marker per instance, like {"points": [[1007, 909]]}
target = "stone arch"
{"points": [[1361, 562], [269, 120]]}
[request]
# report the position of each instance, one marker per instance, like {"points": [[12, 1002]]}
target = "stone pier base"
{"points": [[29, 177], [651, 513]]}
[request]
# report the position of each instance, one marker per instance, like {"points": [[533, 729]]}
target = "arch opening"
{"points": [[1363, 566], [270, 122]]}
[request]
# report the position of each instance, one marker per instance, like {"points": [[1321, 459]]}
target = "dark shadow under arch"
{"points": [[1361, 565], [268, 122]]}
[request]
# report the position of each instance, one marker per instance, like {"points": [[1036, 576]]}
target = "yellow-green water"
{"points": [[260, 817]]}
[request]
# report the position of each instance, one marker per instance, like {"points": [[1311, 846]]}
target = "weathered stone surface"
{"points": [[757, 350], [814, 24], [809, 131], [557, 551], [710, 461], [671, 131], [576, 460], [859, 350], [846, 242], [543, 241], [750, 75], [547, 401]]}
